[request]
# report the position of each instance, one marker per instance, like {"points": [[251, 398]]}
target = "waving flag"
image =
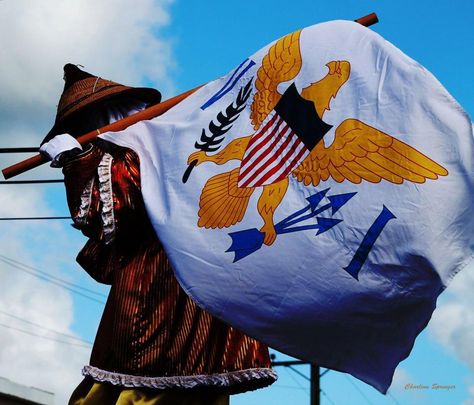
{"points": [[318, 197]]}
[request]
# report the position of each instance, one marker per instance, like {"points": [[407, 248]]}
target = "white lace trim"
{"points": [[106, 197], [86, 198], [216, 380]]}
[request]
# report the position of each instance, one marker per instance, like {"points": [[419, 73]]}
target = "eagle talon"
{"points": [[200, 156], [270, 234]]}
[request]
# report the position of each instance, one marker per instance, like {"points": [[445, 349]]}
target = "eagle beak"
{"points": [[340, 68]]}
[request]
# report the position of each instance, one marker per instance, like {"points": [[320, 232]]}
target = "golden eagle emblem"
{"points": [[358, 153]]}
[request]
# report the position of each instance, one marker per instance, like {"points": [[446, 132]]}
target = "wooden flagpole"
{"points": [[149, 113]]}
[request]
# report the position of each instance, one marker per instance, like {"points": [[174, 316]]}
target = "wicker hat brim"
{"points": [[114, 92]]}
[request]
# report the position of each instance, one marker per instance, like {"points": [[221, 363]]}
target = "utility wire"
{"points": [[19, 150], [297, 382], [324, 372], [9, 259], [300, 373], [31, 181], [358, 389], [44, 337], [31, 218], [49, 280], [308, 379], [291, 387], [45, 328], [394, 399], [326, 395]]}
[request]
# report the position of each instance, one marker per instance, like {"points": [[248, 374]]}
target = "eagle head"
{"points": [[321, 92]]}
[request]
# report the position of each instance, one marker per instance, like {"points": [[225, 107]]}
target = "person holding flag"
{"points": [[154, 343]]}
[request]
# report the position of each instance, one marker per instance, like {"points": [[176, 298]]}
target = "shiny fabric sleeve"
{"points": [[79, 176], [103, 193]]}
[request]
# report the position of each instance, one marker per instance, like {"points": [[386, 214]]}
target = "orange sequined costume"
{"points": [[151, 333]]}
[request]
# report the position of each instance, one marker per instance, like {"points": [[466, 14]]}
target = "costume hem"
{"points": [[260, 377]]}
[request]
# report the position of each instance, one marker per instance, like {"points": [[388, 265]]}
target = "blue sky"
{"points": [[175, 46]]}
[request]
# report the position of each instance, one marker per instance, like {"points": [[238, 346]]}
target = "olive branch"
{"points": [[224, 121]]}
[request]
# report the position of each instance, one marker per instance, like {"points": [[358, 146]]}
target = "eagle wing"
{"points": [[361, 152], [222, 202], [282, 63]]}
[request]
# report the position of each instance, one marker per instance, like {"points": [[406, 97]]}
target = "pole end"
{"points": [[368, 20]]}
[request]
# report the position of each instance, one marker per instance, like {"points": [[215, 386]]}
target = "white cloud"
{"points": [[117, 40], [112, 38], [400, 379], [470, 400], [16, 201], [402, 385], [453, 321], [31, 360], [25, 359]]}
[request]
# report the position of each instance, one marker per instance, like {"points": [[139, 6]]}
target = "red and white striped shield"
{"points": [[284, 139]]}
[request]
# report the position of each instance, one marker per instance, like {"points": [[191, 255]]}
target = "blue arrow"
{"points": [[307, 216], [245, 242], [323, 225], [335, 202], [248, 241], [338, 200], [313, 200]]}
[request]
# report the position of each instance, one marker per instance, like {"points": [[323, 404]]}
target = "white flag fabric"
{"points": [[318, 197]]}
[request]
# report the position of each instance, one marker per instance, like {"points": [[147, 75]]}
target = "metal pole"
{"points": [[314, 378], [315, 386]]}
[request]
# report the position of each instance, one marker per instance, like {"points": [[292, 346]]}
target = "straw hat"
{"points": [[83, 92]]}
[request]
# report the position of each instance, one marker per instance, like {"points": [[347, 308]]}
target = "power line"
{"points": [[297, 382], [287, 363], [324, 372], [290, 387], [45, 328], [55, 283], [32, 181], [19, 150], [300, 373], [394, 399], [49, 280], [358, 389], [4, 258], [31, 218], [44, 337], [326, 395]]}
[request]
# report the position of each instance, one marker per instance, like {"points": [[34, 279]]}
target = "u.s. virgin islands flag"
{"points": [[318, 197]]}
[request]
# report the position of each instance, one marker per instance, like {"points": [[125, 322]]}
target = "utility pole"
{"points": [[314, 380], [315, 396]]}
